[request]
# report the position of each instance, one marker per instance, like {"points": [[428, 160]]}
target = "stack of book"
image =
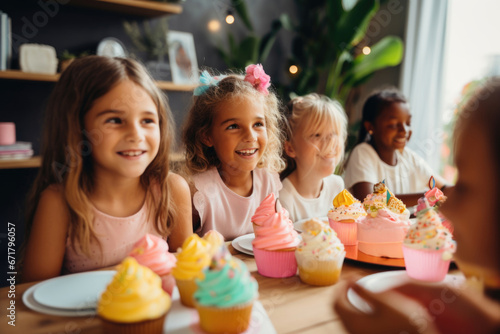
{"points": [[19, 150], [5, 41]]}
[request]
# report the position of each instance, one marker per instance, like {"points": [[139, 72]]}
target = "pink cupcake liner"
{"points": [[275, 264], [347, 232], [425, 265]]}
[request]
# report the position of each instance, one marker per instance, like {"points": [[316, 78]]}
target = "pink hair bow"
{"points": [[258, 78]]}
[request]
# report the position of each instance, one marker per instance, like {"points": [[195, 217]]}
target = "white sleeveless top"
{"points": [[223, 210]]}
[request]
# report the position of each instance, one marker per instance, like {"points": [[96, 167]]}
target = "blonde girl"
{"points": [[104, 180], [316, 134], [232, 142]]}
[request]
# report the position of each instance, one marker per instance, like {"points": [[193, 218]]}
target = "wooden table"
{"points": [[292, 306]]}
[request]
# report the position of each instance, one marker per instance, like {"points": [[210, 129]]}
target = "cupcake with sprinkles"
{"points": [[428, 247], [346, 212], [435, 198], [320, 254], [225, 295]]}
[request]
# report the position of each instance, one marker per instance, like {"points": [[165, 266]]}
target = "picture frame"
{"points": [[182, 57]]}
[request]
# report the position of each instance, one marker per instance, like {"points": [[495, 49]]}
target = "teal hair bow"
{"points": [[206, 81]]}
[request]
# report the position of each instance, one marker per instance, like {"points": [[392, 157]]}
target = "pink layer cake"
{"points": [[382, 232]]}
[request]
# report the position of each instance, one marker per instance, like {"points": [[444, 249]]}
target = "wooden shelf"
{"points": [[18, 75], [134, 7], [33, 162], [168, 85]]}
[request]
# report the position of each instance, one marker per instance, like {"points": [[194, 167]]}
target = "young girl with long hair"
{"points": [[104, 180], [381, 152], [232, 141], [316, 134]]}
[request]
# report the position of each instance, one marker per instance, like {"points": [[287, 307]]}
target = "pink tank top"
{"points": [[223, 210], [117, 236]]}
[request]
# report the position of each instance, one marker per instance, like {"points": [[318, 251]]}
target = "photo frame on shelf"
{"points": [[182, 56]]}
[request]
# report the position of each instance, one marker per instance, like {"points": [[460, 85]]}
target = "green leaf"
{"points": [[267, 42], [387, 52], [225, 56], [248, 51], [354, 22], [363, 26], [286, 22], [241, 8]]}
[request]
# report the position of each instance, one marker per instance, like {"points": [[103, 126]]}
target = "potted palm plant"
{"points": [[152, 42]]}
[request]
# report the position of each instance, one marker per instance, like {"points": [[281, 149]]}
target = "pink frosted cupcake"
{"points": [[435, 198], [343, 217], [381, 234], [428, 248], [152, 251], [275, 240]]}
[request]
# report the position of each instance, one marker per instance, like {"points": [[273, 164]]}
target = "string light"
{"points": [[366, 50], [229, 17], [293, 69], [213, 25]]}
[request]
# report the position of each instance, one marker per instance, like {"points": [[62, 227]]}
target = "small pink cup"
{"points": [[425, 265], [347, 232], [275, 264], [7, 133]]}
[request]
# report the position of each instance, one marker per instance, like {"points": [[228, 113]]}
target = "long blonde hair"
{"points": [[66, 146], [200, 157], [312, 112]]}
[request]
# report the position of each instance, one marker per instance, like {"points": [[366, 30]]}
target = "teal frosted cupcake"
{"points": [[225, 295]]}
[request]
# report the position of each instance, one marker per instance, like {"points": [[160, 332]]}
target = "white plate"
{"points": [[180, 319], [244, 243], [73, 292], [298, 224], [388, 280]]}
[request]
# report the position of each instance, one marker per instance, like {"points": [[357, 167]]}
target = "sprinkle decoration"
{"points": [[432, 182]]}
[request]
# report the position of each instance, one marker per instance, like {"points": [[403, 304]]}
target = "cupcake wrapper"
{"points": [[347, 232], [154, 326], [425, 265], [316, 272], [187, 288], [231, 320], [275, 264]]}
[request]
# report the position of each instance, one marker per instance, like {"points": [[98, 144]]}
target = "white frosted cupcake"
{"points": [[428, 248], [320, 254]]}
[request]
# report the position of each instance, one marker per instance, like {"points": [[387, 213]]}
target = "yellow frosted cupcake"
{"points": [[193, 257], [215, 239], [225, 295], [320, 254], [134, 301]]}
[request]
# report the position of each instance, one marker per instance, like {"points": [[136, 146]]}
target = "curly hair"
{"points": [[312, 112], [200, 157]]}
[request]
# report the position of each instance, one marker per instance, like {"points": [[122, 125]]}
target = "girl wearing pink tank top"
{"points": [[104, 181], [233, 142]]}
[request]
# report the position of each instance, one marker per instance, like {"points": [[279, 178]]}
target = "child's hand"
{"points": [[393, 313], [455, 310]]}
